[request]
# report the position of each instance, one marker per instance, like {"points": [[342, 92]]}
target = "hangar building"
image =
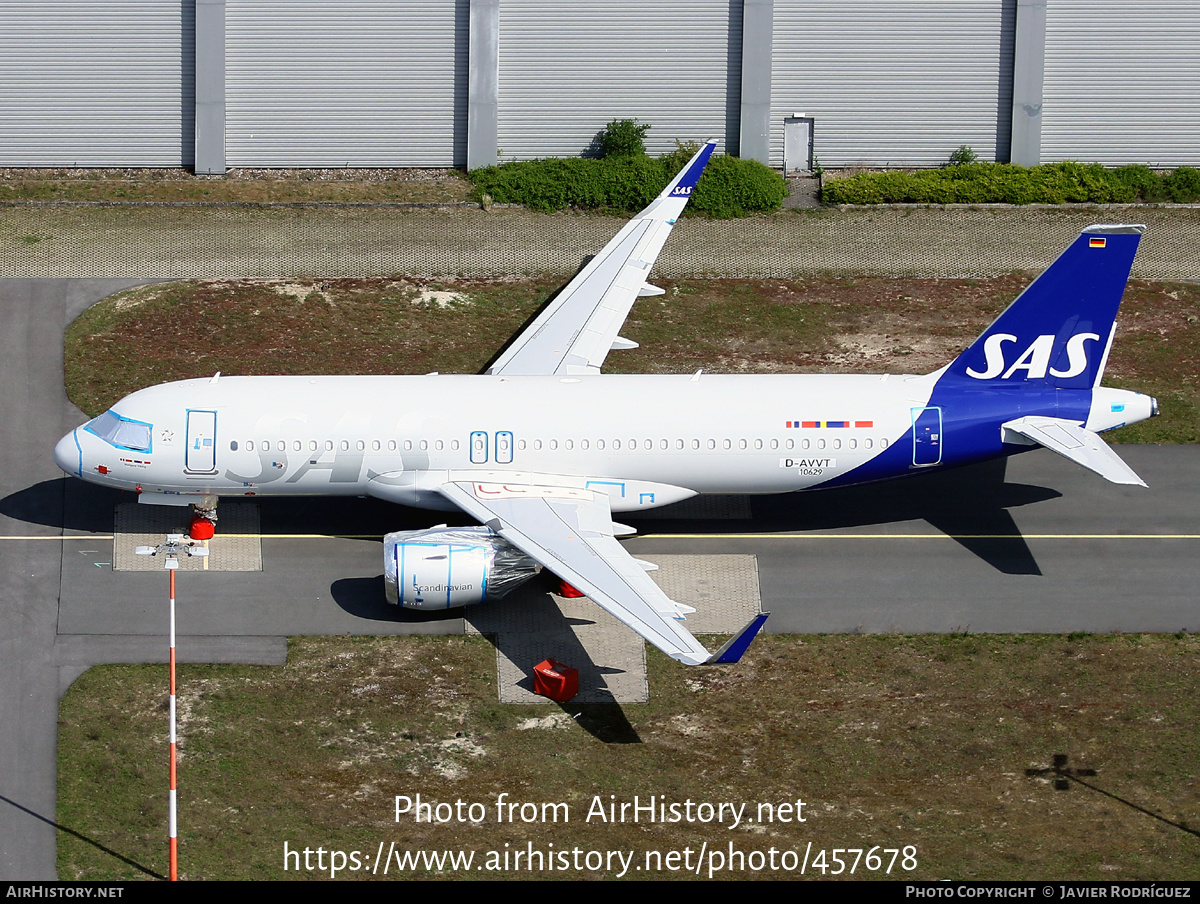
{"points": [[300, 83]]}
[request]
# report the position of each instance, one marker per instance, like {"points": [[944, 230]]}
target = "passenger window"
{"points": [[233, 446]]}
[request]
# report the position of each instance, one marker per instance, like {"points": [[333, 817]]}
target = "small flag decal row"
{"points": [[817, 425]]}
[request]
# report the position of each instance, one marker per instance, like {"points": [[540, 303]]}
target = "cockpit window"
{"points": [[121, 432]]}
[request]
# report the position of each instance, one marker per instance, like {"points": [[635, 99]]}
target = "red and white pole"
{"points": [[171, 550], [174, 837]]}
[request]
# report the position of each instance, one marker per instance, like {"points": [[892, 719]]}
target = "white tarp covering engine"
{"points": [[443, 567]]}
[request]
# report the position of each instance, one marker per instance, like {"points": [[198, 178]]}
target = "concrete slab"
{"points": [[531, 625], [236, 547]]}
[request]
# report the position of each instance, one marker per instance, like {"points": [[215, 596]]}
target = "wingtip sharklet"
{"points": [[738, 644], [686, 181]]}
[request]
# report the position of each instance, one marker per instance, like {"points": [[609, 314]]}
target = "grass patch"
{"points": [[946, 743], [408, 325]]}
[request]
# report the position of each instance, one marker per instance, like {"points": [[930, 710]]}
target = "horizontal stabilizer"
{"points": [[738, 644], [1071, 441]]}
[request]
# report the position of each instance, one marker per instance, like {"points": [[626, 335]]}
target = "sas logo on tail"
{"points": [[1035, 360]]}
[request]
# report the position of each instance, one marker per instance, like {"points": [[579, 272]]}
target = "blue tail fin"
{"points": [[1057, 332]]}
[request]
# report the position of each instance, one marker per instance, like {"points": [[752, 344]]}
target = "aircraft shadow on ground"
{"points": [[364, 598], [970, 504], [607, 722], [71, 504]]}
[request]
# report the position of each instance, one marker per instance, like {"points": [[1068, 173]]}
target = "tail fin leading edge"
{"points": [[1057, 331]]}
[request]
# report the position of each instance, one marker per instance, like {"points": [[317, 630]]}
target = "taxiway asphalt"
{"points": [[1039, 546]]}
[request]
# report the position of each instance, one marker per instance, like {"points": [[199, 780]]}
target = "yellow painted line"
{"points": [[939, 536], [652, 536], [58, 539], [4, 537]]}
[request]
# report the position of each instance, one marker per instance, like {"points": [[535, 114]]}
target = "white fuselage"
{"points": [[646, 440]]}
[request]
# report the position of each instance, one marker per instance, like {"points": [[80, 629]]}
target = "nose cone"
{"points": [[67, 454]]}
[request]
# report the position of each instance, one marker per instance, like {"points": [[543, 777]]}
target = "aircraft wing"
{"points": [[576, 331], [1068, 439], [570, 531]]}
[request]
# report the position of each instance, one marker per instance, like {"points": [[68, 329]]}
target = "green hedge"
{"points": [[1002, 183], [730, 186]]}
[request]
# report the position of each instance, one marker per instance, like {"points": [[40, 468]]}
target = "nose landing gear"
{"points": [[204, 519]]}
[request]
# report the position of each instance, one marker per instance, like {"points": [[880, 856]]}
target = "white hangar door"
{"points": [[358, 83], [893, 84], [96, 84], [568, 69], [1122, 82]]}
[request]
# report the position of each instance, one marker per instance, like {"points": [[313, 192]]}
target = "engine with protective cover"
{"points": [[444, 567]]}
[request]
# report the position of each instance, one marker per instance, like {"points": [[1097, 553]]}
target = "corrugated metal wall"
{"points": [[891, 83], [567, 69], [384, 82], [355, 83], [1122, 82], [84, 83]]}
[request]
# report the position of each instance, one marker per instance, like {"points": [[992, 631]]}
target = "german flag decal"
{"points": [[1096, 243]]}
